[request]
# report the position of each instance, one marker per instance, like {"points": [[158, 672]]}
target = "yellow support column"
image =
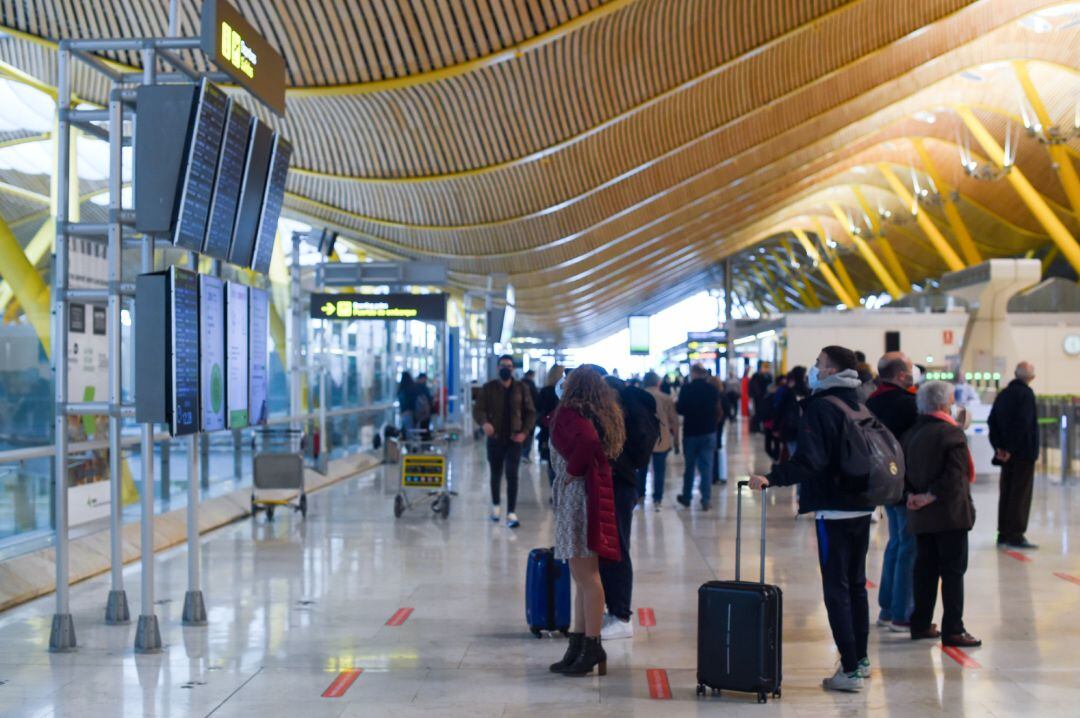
{"points": [[770, 287], [838, 288], [837, 262], [868, 254], [811, 293], [35, 251], [795, 280], [1031, 197], [887, 251], [1059, 153], [952, 214], [27, 286], [952, 259]]}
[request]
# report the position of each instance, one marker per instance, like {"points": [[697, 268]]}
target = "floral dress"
{"points": [[571, 512]]}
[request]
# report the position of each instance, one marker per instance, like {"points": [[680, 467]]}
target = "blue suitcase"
{"points": [[547, 592]]}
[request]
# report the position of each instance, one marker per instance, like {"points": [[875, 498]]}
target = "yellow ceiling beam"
{"points": [[952, 259], [956, 222], [798, 282], [883, 243], [27, 286], [35, 251], [1031, 197], [770, 287], [811, 293], [867, 254], [837, 262], [838, 288]]}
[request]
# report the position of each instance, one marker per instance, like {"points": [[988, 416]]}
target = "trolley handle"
{"points": [[738, 531]]}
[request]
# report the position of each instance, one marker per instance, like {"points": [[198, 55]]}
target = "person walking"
{"points": [[1014, 435], [843, 527], [757, 389], [698, 403], [668, 440], [587, 430], [941, 514], [893, 403], [505, 410]]}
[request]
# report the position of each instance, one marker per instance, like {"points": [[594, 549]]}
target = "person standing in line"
{"points": [[529, 380], [732, 392], [406, 398], [505, 410], [423, 403], [587, 431], [547, 400], [668, 440], [757, 389], [698, 404], [1014, 435], [893, 403], [843, 527]]}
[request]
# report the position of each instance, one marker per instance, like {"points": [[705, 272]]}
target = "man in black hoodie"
{"points": [[843, 527]]}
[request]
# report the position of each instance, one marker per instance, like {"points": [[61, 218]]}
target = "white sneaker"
{"points": [[614, 629], [512, 520], [845, 682], [864, 668], [496, 513]]}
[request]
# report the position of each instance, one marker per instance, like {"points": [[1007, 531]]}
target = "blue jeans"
{"points": [[700, 453], [897, 571], [659, 471]]}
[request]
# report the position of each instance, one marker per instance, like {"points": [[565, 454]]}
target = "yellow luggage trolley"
{"points": [[425, 471], [278, 472]]}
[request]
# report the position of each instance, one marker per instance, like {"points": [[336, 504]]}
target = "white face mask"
{"points": [[916, 375], [812, 378]]}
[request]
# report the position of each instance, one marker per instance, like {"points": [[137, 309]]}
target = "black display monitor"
{"points": [[260, 145], [212, 353], [184, 345], [258, 360], [271, 206], [204, 149], [230, 175]]}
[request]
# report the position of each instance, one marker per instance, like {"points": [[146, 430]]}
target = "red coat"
{"points": [[576, 439]]}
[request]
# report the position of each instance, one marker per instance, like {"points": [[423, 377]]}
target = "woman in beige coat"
{"points": [[669, 438]]}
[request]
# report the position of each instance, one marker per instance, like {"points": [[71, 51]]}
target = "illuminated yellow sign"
{"points": [[359, 307], [366, 310], [236, 51], [241, 52]]}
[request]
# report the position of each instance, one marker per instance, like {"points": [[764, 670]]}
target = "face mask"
{"points": [[812, 378], [505, 373], [559, 388]]}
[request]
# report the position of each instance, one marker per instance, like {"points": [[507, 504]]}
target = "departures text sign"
{"points": [[243, 53], [379, 307]]}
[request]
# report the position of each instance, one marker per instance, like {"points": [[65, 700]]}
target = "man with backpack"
{"points": [[642, 432], [845, 463]]}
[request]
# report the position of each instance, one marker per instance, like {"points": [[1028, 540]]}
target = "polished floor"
{"points": [[295, 607]]}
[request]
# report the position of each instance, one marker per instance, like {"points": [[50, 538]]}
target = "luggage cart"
{"points": [[278, 467], [425, 467]]}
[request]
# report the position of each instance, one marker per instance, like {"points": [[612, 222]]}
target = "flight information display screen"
{"points": [[271, 206], [230, 174], [212, 353], [258, 375], [184, 339], [204, 148], [260, 145], [236, 354]]}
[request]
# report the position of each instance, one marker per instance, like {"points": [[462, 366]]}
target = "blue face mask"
{"points": [[559, 388], [812, 379]]}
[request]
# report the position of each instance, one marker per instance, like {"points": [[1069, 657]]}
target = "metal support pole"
{"points": [[194, 605], [62, 636], [116, 607], [296, 325], [324, 440], [1066, 453], [444, 389]]}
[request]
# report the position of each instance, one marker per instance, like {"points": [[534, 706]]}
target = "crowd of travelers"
{"points": [[601, 437]]}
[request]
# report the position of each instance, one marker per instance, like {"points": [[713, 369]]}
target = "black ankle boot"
{"points": [[592, 655], [572, 652]]}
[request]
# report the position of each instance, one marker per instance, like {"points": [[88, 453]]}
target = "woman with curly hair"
{"points": [[586, 431]]}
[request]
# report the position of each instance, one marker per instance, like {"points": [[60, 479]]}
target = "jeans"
{"points": [[842, 546], [617, 577], [1014, 500], [502, 455], [894, 593], [941, 556], [659, 471], [699, 452]]}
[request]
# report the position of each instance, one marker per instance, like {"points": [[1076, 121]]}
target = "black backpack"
{"points": [[871, 459], [642, 426]]}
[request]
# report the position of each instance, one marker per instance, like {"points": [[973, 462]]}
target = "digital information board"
{"points": [[260, 144], [379, 307], [236, 354], [230, 174], [639, 335], [212, 353], [239, 50], [204, 148], [184, 345], [258, 346], [271, 206]]}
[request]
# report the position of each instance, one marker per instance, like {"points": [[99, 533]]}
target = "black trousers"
{"points": [[1014, 499], [504, 455], [842, 547], [617, 577], [940, 557]]}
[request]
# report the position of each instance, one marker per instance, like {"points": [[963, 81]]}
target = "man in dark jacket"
{"points": [[843, 527], [893, 403], [642, 431], [758, 389], [1014, 434], [699, 404], [504, 408]]}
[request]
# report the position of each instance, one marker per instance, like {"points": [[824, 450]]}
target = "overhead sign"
{"points": [[639, 335], [351, 274], [379, 307], [715, 335], [236, 48]]}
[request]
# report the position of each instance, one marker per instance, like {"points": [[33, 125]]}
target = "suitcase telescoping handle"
{"points": [[738, 532]]}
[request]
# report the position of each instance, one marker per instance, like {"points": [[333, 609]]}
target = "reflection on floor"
{"points": [[297, 608]]}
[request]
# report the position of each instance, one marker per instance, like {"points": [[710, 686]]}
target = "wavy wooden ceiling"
{"points": [[606, 155]]}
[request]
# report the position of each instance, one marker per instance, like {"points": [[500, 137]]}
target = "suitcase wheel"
{"points": [[700, 689], [776, 693], [716, 691], [536, 632], [762, 698]]}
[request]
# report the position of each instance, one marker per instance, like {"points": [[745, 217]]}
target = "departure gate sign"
{"points": [[243, 53], [379, 307]]}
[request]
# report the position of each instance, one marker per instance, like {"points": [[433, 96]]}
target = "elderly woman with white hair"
{"points": [[940, 514]]}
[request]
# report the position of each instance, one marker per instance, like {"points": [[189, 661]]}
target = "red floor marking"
{"points": [[341, 683], [960, 657], [870, 584], [1067, 577], [1018, 556], [659, 687], [399, 617], [646, 617]]}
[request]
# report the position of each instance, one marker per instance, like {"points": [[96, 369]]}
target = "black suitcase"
{"points": [[739, 629]]}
